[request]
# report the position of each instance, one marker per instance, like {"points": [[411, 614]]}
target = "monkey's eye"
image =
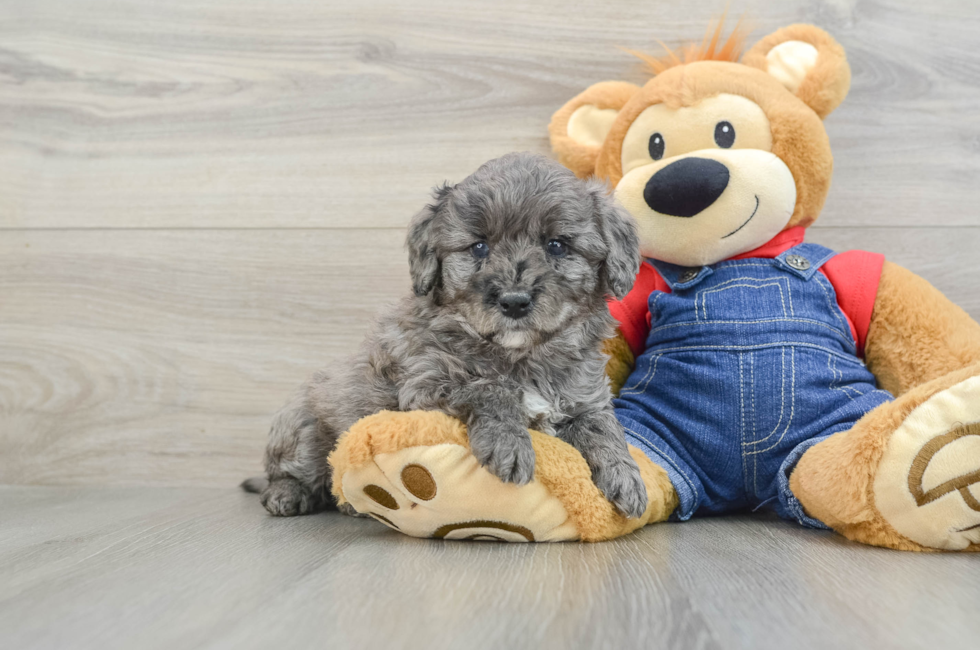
{"points": [[724, 135], [557, 248], [656, 146], [480, 249]]}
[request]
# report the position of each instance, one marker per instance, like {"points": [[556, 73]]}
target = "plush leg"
{"points": [[414, 472], [907, 475]]}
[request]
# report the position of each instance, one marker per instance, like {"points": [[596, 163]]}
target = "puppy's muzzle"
{"points": [[515, 304], [686, 187]]}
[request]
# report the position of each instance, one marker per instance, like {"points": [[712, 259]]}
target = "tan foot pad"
{"points": [[434, 491], [413, 471], [928, 482]]}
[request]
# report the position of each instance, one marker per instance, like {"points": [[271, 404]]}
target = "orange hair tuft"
{"points": [[710, 49]]}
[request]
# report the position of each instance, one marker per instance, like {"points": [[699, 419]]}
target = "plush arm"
{"points": [[916, 333], [632, 314], [621, 361]]}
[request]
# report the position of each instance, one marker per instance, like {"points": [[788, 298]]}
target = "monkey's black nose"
{"points": [[515, 304], [686, 187]]}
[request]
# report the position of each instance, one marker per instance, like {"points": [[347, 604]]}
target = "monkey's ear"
{"points": [[622, 242], [808, 61], [423, 263], [579, 128]]}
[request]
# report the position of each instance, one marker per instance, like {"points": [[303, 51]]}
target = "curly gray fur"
{"points": [[451, 347]]}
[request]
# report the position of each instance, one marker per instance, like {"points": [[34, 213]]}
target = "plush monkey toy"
{"points": [[753, 369]]}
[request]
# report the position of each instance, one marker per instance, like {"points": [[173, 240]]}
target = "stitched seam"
{"points": [[761, 346], [648, 377], [792, 403], [670, 460], [782, 399], [833, 383], [628, 390], [839, 376], [658, 296], [742, 263], [741, 400], [834, 309], [748, 278], [805, 321], [724, 286], [651, 306], [755, 460], [699, 296]]}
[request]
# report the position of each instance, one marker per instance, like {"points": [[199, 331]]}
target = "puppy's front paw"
{"points": [[621, 483], [504, 448], [286, 497]]}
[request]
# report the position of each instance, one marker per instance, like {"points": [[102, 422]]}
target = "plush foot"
{"points": [[927, 486], [907, 476], [415, 473]]}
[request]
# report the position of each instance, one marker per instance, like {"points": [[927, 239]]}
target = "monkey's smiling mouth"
{"points": [[747, 220]]}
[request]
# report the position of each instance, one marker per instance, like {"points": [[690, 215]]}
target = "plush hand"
{"points": [[415, 473]]}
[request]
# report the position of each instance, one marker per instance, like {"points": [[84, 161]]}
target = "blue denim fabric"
{"points": [[748, 364]]}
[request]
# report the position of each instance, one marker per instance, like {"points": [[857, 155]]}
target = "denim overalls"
{"points": [[747, 365]]}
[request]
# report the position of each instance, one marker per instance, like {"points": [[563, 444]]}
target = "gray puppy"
{"points": [[510, 270]]}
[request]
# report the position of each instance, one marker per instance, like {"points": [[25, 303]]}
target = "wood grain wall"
{"points": [[203, 201]]}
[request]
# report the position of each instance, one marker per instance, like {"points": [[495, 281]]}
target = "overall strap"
{"points": [[804, 260], [681, 277]]}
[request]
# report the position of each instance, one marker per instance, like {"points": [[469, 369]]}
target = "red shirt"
{"points": [[854, 275]]}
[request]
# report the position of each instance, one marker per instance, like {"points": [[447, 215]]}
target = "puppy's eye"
{"points": [[724, 135], [656, 146], [480, 249], [557, 248]]}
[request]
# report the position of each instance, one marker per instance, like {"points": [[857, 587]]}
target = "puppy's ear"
{"points": [[619, 233], [423, 264]]}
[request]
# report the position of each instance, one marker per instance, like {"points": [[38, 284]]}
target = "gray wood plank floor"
{"points": [[203, 201], [105, 568]]}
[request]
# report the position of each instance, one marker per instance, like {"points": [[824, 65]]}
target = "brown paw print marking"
{"points": [[381, 496], [961, 483], [384, 520], [442, 531], [419, 482]]}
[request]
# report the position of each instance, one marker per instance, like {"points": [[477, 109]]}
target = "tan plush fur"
{"points": [[799, 138], [824, 87], [917, 334], [919, 343], [577, 157], [559, 467], [620, 363], [834, 479]]}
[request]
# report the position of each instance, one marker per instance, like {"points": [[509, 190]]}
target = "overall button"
{"points": [[798, 262], [690, 274]]}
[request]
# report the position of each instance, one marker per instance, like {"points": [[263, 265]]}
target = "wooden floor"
{"points": [[202, 201], [148, 568]]}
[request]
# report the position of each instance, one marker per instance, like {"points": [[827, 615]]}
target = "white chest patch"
{"points": [[541, 410], [514, 340]]}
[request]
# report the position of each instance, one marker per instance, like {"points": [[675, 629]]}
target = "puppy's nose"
{"points": [[515, 304], [686, 187]]}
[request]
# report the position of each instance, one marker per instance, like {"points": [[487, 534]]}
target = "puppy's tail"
{"points": [[255, 485]]}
